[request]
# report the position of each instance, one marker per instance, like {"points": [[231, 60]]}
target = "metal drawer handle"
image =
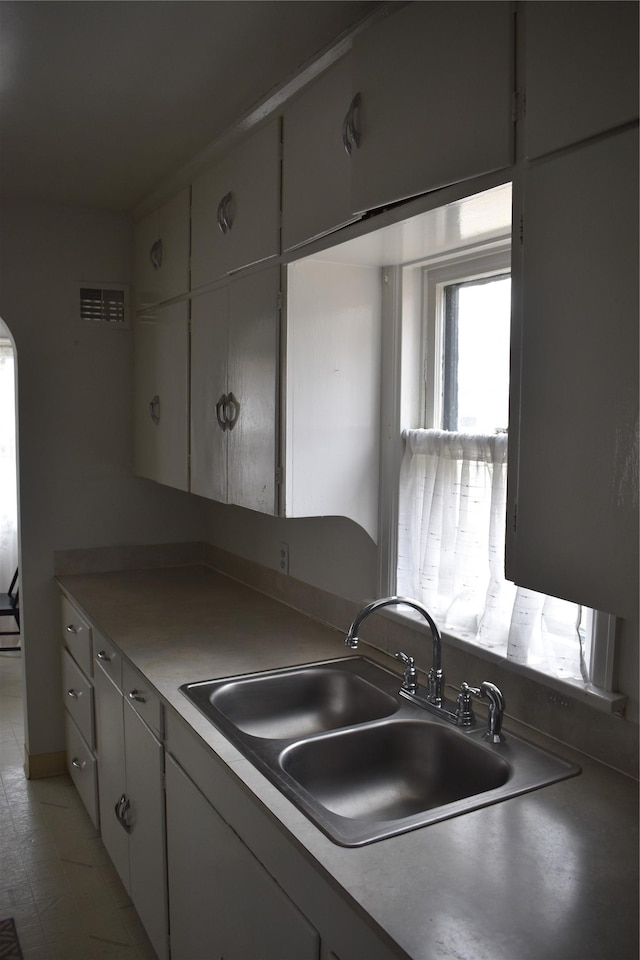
{"points": [[154, 409], [155, 255], [136, 696], [220, 412], [231, 411], [225, 221], [103, 655], [350, 133], [222, 227], [73, 694], [71, 628], [121, 809], [78, 764]]}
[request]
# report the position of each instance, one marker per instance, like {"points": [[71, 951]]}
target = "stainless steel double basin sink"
{"points": [[360, 760]]}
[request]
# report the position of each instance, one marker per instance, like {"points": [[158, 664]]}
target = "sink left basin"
{"points": [[293, 702]]}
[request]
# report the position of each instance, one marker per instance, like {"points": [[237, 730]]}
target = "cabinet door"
{"points": [[316, 169], [145, 770], [223, 903], [77, 636], [235, 218], [161, 382], [77, 693], [82, 768], [436, 87], [334, 318], [112, 782], [253, 383], [581, 71], [161, 251], [577, 508], [209, 347]]}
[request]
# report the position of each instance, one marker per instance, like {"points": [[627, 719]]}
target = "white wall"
{"points": [[331, 553], [76, 487]]}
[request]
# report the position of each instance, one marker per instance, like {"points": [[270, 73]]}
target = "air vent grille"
{"points": [[100, 304]]}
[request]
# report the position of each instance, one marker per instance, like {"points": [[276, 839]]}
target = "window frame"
{"points": [[415, 285]]}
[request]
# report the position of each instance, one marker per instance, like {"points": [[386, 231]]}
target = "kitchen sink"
{"points": [[361, 760]]}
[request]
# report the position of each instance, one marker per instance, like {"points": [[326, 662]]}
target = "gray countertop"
{"points": [[551, 875]]}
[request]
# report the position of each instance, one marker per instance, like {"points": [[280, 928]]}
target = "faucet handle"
{"points": [[409, 677], [464, 707]]}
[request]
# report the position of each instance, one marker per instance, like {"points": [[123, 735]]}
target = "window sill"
{"points": [[586, 693]]}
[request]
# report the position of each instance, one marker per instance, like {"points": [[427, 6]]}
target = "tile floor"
{"points": [[56, 879]]}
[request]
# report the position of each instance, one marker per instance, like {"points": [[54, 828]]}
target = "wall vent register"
{"points": [[100, 303]]}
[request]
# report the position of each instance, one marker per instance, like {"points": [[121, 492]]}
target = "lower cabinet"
{"points": [[224, 904], [130, 777], [210, 875], [77, 693]]}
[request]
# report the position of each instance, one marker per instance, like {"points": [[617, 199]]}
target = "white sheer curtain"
{"points": [[451, 537], [8, 498]]}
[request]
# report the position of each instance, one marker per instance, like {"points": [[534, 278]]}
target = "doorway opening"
{"points": [[10, 623]]}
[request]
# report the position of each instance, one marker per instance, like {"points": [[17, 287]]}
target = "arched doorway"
{"points": [[9, 535]]}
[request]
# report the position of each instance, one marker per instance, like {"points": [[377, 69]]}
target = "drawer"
{"points": [[142, 698], [78, 697], [108, 657], [76, 632], [82, 768]]}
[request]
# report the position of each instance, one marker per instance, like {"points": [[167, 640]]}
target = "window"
{"points": [[476, 354], [467, 306], [452, 479]]}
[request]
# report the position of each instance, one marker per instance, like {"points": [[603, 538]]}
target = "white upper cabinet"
{"points": [[435, 87], [581, 66], [235, 214], [161, 250], [316, 169], [234, 391], [161, 405], [333, 391], [575, 478]]}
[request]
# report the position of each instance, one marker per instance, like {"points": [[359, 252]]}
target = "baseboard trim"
{"points": [[43, 765]]}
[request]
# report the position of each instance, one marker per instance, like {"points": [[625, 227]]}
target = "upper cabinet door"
{"points": [[161, 385], [576, 475], [316, 168], [333, 355], [581, 71], [435, 85], [252, 379], [209, 321], [161, 245], [235, 215]]}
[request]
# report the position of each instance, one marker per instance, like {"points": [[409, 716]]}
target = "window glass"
{"points": [[476, 355]]}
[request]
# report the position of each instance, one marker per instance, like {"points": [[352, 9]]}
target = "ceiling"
{"points": [[102, 101]]}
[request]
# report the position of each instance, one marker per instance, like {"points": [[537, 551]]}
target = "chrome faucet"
{"points": [[436, 677]]}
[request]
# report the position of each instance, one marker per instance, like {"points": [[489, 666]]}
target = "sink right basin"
{"points": [[393, 770]]}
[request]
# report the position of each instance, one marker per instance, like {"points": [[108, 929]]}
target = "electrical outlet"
{"points": [[284, 559]]}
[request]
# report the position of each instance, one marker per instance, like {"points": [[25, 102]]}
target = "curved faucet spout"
{"points": [[436, 677]]}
